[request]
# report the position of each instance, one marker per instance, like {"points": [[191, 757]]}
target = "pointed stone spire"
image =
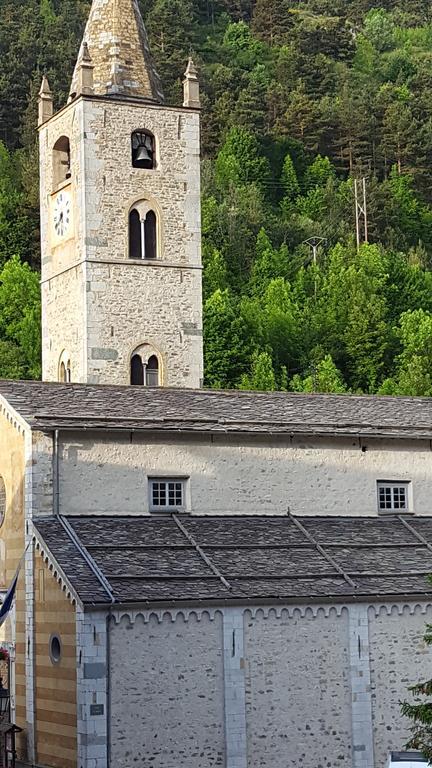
{"points": [[191, 86], [45, 102], [85, 68], [117, 43]]}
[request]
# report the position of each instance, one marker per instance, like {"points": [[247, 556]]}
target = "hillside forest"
{"points": [[301, 98]]}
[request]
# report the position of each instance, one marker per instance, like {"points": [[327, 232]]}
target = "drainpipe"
{"points": [[56, 474]]}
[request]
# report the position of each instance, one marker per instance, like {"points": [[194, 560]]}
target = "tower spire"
{"points": [[118, 46]]}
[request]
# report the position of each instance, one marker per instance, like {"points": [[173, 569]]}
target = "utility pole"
{"points": [[361, 213], [314, 243]]}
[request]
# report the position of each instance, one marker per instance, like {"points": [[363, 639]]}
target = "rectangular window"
{"points": [[393, 496], [167, 494]]}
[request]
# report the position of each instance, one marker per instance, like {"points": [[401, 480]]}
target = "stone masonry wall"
{"points": [[264, 687], [399, 658], [112, 305], [234, 475], [298, 691], [167, 693]]}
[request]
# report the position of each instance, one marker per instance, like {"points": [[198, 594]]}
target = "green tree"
{"points": [[325, 377], [20, 330], [240, 162], [414, 364], [262, 376]]}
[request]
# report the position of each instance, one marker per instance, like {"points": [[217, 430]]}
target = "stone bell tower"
{"points": [[120, 216]]}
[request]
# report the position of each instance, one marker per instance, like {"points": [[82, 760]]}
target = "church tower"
{"points": [[120, 216]]}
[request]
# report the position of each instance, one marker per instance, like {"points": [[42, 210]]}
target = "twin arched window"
{"points": [[145, 370], [142, 232], [65, 371]]}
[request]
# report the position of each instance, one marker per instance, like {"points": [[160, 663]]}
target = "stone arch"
{"points": [[65, 368], [61, 161], [146, 366]]}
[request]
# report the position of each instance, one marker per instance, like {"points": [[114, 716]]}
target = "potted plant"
{"points": [[4, 654]]}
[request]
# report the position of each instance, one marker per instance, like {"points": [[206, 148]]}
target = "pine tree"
{"points": [[272, 21]]}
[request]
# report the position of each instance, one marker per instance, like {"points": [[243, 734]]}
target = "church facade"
{"points": [[208, 578]]}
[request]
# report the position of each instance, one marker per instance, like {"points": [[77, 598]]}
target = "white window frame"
{"points": [[406, 760], [393, 485], [169, 508]]}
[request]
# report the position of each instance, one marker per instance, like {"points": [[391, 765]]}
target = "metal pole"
{"points": [[357, 214], [365, 211]]}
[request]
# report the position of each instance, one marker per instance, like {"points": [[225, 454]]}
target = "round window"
{"points": [[2, 500], [55, 649]]}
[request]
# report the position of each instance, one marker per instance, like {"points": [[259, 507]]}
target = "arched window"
{"points": [[152, 372], [61, 161], [145, 368], [65, 370], [142, 232], [143, 150], [137, 371], [135, 247]]}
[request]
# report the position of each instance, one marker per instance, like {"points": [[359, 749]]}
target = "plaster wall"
{"points": [[298, 691], [12, 545], [109, 475], [167, 693]]}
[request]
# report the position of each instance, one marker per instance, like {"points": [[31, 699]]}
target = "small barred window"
{"points": [[167, 495], [393, 497]]}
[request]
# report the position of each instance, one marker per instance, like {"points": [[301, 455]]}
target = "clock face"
{"points": [[62, 214]]}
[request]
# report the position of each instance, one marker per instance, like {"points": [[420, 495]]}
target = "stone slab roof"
{"points": [[47, 406], [187, 559]]}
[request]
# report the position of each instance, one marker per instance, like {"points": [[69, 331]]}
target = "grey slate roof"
{"points": [[160, 560], [48, 406]]}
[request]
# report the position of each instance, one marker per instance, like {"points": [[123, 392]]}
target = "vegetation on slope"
{"points": [[300, 98]]}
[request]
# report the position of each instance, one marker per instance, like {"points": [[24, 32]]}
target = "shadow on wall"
{"points": [[109, 475]]}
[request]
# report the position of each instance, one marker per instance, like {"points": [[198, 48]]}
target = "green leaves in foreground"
{"points": [[20, 324]]}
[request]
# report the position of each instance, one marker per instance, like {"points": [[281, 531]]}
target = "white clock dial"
{"points": [[62, 214]]}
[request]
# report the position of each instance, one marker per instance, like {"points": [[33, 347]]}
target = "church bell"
{"points": [[142, 155]]}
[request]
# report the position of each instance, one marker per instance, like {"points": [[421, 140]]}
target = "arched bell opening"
{"points": [[143, 150], [61, 160]]}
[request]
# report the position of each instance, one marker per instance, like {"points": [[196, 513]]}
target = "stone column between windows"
{"points": [[234, 688], [92, 689], [361, 698]]}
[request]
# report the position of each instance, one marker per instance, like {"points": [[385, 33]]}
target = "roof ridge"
{"points": [[86, 556]]}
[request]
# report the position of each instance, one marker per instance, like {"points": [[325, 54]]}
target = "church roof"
{"points": [[178, 559], [47, 406], [119, 51]]}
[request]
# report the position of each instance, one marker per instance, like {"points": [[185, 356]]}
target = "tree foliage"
{"points": [[299, 99]]}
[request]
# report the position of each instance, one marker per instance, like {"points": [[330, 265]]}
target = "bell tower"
{"points": [[120, 216]]}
